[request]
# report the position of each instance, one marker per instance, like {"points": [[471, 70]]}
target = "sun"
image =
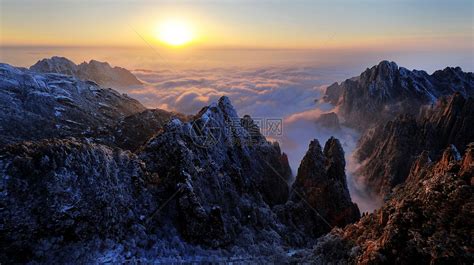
{"points": [[175, 33]]}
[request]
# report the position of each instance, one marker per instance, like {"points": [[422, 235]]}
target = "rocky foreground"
{"points": [[427, 220]]}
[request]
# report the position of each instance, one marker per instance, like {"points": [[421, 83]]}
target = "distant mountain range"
{"points": [[99, 72], [89, 175]]}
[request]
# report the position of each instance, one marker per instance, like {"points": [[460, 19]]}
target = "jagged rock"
{"points": [[56, 193], [329, 120], [388, 151], [224, 174], [428, 220], [386, 90], [99, 72], [36, 106], [319, 197]]}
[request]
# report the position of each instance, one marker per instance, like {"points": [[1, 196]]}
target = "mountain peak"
{"points": [[321, 184], [226, 106], [386, 90], [55, 64], [385, 64], [335, 160]]}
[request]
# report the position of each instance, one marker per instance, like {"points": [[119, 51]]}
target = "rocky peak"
{"points": [[335, 165], [226, 107], [383, 72], [55, 64], [213, 157], [312, 165], [319, 198], [387, 90]]}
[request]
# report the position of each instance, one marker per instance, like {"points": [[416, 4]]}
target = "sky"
{"points": [[410, 24]]}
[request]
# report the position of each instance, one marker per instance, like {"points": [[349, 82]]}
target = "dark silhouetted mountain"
{"points": [[99, 72], [36, 105], [386, 90], [387, 151], [427, 220], [319, 198]]}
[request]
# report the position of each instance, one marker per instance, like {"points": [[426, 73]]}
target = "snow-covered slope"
{"points": [[36, 105]]}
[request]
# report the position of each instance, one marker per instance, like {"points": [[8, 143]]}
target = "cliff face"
{"points": [[37, 106], [386, 90], [99, 72], [319, 198], [427, 220], [388, 151]]}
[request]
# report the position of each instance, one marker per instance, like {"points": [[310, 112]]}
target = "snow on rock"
{"points": [[30, 102], [58, 192]]}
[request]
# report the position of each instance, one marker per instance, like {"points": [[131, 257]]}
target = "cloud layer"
{"points": [[286, 93]]}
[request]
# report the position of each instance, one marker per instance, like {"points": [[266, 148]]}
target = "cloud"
{"points": [[268, 91]]}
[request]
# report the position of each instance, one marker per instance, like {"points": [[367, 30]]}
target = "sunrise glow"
{"points": [[174, 33]]}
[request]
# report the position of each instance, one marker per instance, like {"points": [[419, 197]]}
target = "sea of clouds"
{"points": [[287, 93]]}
